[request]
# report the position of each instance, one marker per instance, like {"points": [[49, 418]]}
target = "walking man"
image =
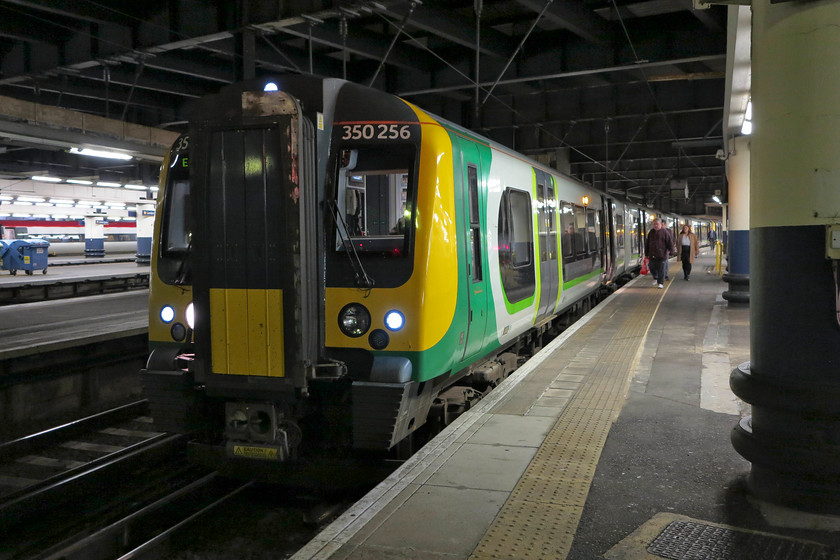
{"points": [[659, 246]]}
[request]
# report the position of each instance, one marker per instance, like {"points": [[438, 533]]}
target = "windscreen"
{"points": [[176, 224], [374, 200]]}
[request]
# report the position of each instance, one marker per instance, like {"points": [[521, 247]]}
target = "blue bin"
{"points": [[24, 254]]}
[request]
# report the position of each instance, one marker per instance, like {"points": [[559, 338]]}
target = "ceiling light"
{"points": [[44, 204], [80, 181], [136, 187], [21, 215], [100, 153], [6, 197], [61, 201], [30, 199], [46, 178], [107, 184]]}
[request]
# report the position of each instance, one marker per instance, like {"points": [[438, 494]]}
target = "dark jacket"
{"points": [[659, 243]]}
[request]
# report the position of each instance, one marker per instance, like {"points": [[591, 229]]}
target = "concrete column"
{"points": [[95, 236], [738, 246], [145, 230], [792, 438]]}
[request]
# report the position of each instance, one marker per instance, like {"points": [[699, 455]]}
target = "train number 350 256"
{"points": [[375, 131]]}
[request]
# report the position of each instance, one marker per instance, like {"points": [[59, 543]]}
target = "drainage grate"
{"points": [[685, 540]]}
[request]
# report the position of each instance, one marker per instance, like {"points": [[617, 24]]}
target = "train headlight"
{"points": [[394, 320], [354, 320], [191, 315], [167, 313]]}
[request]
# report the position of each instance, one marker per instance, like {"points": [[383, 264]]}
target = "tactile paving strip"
{"points": [[540, 517], [686, 540]]}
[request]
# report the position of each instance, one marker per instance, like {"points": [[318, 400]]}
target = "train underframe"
{"points": [[316, 429]]}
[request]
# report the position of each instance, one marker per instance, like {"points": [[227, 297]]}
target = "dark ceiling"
{"points": [[631, 93]]}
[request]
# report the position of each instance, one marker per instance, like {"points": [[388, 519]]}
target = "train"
{"points": [[331, 264]]}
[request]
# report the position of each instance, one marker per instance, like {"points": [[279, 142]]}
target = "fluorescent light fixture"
{"points": [[44, 204], [46, 178], [136, 187], [21, 215], [30, 199], [60, 216], [100, 153], [61, 201], [80, 181], [76, 217], [17, 203], [40, 215], [6, 197], [154, 189], [107, 184], [716, 199], [746, 128]]}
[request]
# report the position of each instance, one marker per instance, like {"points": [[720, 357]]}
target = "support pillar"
{"points": [[792, 438], [145, 229], [94, 236], [738, 247]]}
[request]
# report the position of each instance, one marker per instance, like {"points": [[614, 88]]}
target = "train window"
{"points": [[176, 234], [520, 228], [567, 222], [374, 207], [176, 224], [516, 245]]}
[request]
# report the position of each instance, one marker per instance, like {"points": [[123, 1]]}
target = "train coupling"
{"points": [[259, 431]]}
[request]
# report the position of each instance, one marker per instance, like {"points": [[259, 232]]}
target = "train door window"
{"points": [[619, 230], [567, 222], [635, 232], [593, 230], [541, 220], [551, 204], [475, 223]]}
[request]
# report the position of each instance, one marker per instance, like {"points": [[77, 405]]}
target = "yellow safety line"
{"points": [[539, 519]]}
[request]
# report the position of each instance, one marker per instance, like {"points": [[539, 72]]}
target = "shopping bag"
{"points": [[645, 269]]}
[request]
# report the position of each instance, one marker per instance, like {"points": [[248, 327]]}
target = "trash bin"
{"points": [[24, 254]]}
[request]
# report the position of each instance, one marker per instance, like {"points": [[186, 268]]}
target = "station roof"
{"points": [[632, 96]]}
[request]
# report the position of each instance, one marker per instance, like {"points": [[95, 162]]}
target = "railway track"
{"points": [[109, 486]]}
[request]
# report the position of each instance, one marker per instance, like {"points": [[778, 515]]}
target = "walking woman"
{"points": [[689, 249]]}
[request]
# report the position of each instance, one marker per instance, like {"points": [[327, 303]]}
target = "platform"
{"points": [[612, 442]]}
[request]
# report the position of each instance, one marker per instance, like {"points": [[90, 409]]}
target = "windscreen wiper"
{"points": [[363, 281]]}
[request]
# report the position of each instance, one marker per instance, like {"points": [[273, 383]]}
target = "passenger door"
{"points": [[547, 235], [475, 253]]}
